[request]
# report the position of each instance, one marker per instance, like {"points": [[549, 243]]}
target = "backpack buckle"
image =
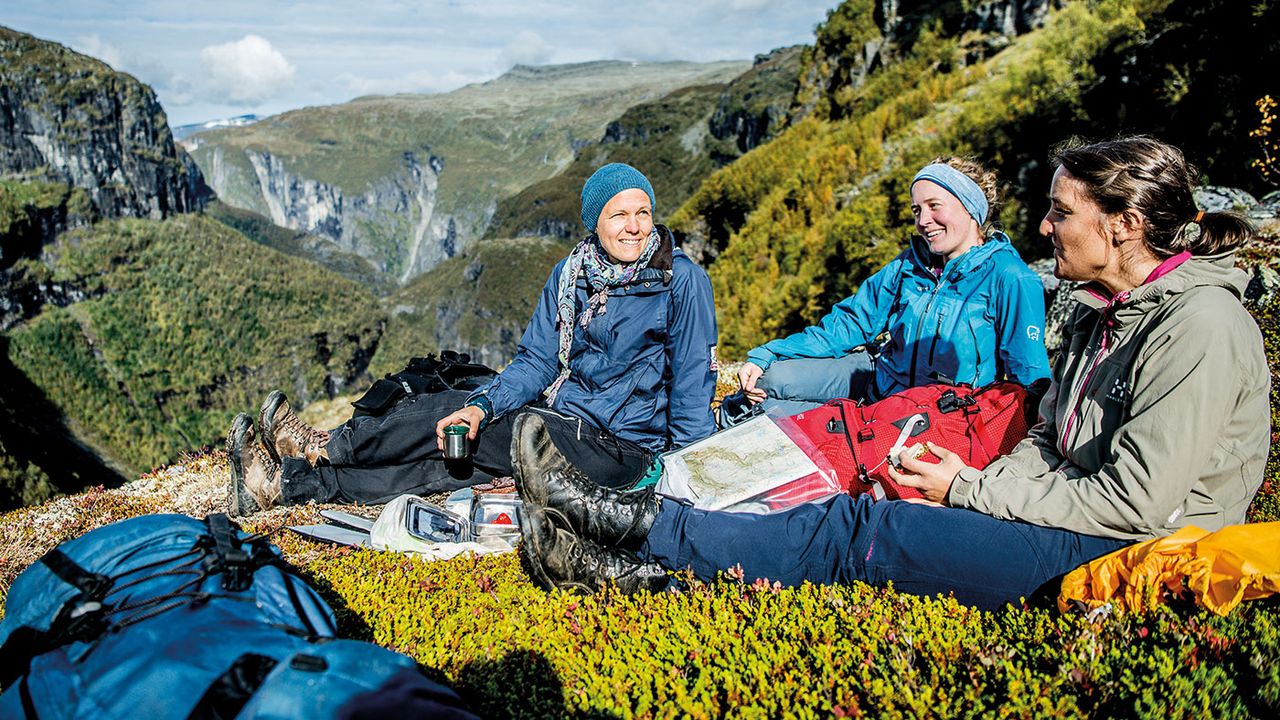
{"points": [[950, 402]]}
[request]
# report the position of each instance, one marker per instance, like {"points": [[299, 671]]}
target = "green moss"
{"points": [[735, 650]]}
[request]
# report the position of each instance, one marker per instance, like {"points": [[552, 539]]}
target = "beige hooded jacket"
{"points": [[1158, 416]]}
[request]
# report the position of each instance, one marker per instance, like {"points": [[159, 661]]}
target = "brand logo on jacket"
{"points": [[1033, 333], [1119, 391], [715, 361]]}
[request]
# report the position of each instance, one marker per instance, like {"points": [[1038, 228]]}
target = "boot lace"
{"points": [[309, 439]]}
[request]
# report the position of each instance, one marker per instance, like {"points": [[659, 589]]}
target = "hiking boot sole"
{"points": [[531, 551], [239, 502], [266, 422]]}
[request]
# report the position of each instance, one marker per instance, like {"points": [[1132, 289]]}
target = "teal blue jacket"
{"points": [[981, 319]]}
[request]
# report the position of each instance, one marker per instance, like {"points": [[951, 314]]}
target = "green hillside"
{"points": [[185, 323], [299, 244], [479, 302], [802, 220]]}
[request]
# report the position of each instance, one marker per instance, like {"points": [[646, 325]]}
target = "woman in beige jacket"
{"points": [[1157, 418]]}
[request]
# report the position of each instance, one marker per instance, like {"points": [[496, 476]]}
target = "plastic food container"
{"points": [[495, 520]]}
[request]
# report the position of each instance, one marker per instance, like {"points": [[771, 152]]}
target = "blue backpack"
{"points": [[166, 616]]}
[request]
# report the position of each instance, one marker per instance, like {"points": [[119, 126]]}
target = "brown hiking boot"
{"points": [[255, 477], [284, 434]]}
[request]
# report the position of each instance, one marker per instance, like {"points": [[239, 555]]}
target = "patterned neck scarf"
{"points": [[603, 274]]}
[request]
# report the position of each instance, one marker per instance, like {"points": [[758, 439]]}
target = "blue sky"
{"points": [[210, 60]]}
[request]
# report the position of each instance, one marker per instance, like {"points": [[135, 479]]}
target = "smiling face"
{"points": [[1077, 227], [625, 224], [942, 221]]}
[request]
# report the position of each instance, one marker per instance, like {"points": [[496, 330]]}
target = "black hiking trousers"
{"points": [[373, 459]]}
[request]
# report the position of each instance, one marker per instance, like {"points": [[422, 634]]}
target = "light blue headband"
{"points": [[958, 184]]}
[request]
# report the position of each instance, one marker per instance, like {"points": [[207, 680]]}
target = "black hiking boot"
{"points": [[284, 434], [570, 498], [255, 478], [556, 558]]}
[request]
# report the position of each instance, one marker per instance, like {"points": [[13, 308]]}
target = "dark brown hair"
{"points": [[1143, 174]]}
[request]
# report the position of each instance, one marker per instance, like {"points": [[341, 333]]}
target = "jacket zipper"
{"points": [[933, 345], [1108, 320], [924, 317]]}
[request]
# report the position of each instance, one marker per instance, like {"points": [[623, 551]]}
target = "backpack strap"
{"points": [[229, 558], [81, 618], [91, 584]]}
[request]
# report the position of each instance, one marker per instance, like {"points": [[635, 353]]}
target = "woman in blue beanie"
{"points": [[619, 359], [958, 305]]}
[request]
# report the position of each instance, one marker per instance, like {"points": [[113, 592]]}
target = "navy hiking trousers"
{"points": [[921, 549]]}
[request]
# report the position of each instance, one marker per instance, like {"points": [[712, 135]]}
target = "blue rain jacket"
{"points": [[980, 320], [645, 370]]}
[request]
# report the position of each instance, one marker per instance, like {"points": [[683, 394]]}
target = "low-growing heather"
{"points": [[757, 650]]}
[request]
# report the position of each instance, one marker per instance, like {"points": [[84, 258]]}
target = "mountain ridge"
{"points": [[408, 181]]}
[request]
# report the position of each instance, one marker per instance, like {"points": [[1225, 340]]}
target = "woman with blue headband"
{"points": [[958, 306]]}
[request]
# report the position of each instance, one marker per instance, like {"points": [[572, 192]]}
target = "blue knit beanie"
{"points": [[606, 182]]}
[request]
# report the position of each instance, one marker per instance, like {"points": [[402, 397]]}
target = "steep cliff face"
{"points": [[68, 118], [754, 106], [394, 223]]}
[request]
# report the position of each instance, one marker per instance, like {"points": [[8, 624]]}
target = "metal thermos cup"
{"points": [[456, 446]]}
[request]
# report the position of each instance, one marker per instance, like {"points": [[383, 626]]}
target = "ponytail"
{"points": [[1216, 232]]}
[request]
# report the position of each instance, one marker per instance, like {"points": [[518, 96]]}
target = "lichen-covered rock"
{"points": [[1212, 198]]}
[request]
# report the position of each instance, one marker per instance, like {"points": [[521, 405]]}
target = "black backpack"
{"points": [[424, 375]]}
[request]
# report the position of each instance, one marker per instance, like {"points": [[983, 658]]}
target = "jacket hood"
{"points": [[996, 243], [1199, 271]]}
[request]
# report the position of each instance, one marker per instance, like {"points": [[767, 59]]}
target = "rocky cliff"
{"points": [[69, 118], [862, 36], [392, 222]]}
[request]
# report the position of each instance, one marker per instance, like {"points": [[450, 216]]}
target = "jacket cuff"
{"points": [[480, 400], [963, 486], [761, 357]]}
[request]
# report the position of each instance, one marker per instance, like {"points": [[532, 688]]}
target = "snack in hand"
{"points": [[896, 452]]}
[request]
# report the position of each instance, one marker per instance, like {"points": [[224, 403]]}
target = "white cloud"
{"points": [[95, 46], [247, 71], [527, 48]]}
